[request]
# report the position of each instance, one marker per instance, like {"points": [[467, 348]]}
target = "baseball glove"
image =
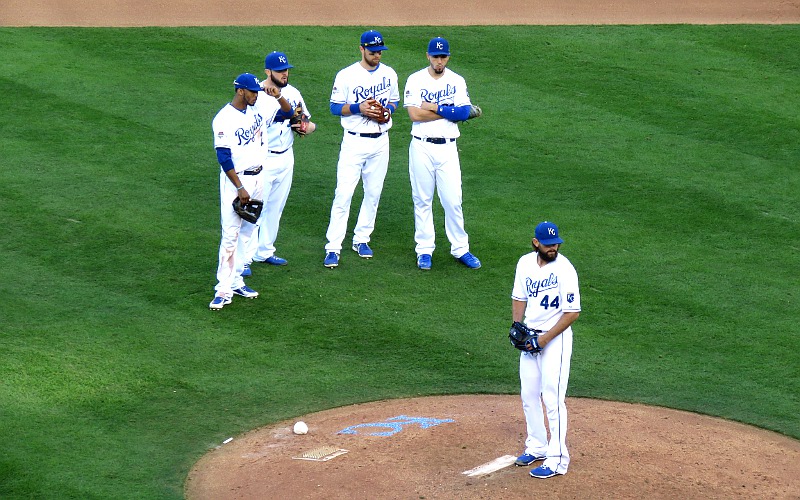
{"points": [[299, 121], [523, 338], [249, 211], [384, 114], [474, 111]]}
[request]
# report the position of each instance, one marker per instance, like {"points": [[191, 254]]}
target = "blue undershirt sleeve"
{"points": [[282, 115], [454, 113], [336, 109], [224, 159]]}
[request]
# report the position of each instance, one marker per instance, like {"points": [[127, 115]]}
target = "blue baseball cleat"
{"points": [[331, 260], [363, 250], [424, 262], [470, 261]]}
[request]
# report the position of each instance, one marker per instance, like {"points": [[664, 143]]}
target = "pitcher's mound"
{"points": [[424, 448]]}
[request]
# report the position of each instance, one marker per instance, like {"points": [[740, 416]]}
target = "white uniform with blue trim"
{"points": [[242, 133], [360, 157], [433, 162], [549, 291], [276, 178]]}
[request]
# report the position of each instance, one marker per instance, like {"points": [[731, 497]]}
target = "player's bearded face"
{"points": [[547, 253], [371, 58], [279, 78]]}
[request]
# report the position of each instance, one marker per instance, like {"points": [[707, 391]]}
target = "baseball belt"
{"points": [[434, 140], [371, 136]]}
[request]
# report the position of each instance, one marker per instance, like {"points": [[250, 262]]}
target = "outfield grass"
{"points": [[667, 155]]}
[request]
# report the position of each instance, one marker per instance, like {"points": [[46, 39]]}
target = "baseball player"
{"points": [[238, 131], [279, 162], [436, 99], [546, 295], [365, 94]]}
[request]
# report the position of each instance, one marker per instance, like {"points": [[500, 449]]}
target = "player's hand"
{"points": [[244, 196], [370, 108], [273, 91]]}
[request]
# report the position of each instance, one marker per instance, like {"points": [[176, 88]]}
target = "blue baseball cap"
{"points": [[277, 61], [248, 82], [373, 41], [547, 233], [438, 47]]}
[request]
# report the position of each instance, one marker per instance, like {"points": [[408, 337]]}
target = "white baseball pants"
{"points": [[236, 233], [544, 379], [363, 158], [277, 180], [436, 167]]}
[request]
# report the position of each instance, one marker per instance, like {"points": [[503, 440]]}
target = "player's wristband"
{"points": [[240, 188], [354, 109]]}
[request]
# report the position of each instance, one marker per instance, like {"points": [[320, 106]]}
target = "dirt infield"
{"points": [[420, 448], [398, 13]]}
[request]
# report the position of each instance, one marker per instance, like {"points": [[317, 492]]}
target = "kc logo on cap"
{"points": [[373, 41], [438, 47], [547, 234], [277, 61]]}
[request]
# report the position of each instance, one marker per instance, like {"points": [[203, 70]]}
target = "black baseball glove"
{"points": [[299, 121], [523, 338], [249, 211]]}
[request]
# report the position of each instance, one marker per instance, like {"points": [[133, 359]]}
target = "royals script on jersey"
{"points": [[354, 85], [242, 131], [549, 291], [449, 90]]}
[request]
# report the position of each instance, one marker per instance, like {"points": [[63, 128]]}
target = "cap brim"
{"points": [[551, 241], [282, 68], [439, 53], [377, 48]]}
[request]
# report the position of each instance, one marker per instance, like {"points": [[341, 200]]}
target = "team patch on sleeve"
{"points": [[570, 298]]}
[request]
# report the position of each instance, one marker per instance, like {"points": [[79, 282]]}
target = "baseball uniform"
{"points": [[550, 291], [277, 178], [364, 152], [433, 161], [242, 133]]}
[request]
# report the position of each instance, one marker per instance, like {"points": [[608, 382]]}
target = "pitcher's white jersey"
{"points": [[549, 291], [354, 84], [449, 89]]}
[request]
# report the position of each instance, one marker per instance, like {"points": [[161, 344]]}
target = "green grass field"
{"points": [[668, 155]]}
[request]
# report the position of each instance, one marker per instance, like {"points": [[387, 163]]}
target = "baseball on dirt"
{"points": [[300, 428]]}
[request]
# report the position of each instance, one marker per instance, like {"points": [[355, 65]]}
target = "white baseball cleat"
{"points": [[219, 302], [246, 291]]}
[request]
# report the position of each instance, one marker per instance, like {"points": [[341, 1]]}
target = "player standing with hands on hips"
{"points": [[279, 162], [365, 94], [238, 139], [546, 298], [436, 99]]}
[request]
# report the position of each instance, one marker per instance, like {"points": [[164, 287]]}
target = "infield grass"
{"points": [[667, 155]]}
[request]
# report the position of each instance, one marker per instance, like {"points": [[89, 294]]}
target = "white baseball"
{"points": [[300, 428]]}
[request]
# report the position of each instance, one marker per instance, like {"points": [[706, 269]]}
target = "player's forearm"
{"points": [[423, 114], [518, 310], [563, 323], [237, 183], [285, 105]]}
